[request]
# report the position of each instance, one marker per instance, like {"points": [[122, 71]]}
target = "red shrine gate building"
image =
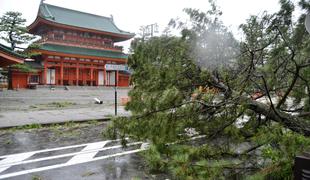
{"points": [[74, 49]]}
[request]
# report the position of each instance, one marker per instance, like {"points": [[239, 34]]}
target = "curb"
{"points": [[105, 119]]}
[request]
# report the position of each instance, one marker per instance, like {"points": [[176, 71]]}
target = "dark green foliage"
{"points": [[29, 52], [24, 68], [13, 30], [175, 97]]}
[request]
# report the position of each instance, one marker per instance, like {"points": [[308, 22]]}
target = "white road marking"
{"points": [[84, 157], [65, 155], [14, 159], [60, 148], [48, 150], [65, 164], [87, 154]]}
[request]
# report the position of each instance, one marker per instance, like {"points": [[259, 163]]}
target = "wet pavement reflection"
{"points": [[130, 166]]}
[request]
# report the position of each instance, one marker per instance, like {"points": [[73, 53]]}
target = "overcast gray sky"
{"points": [[129, 15]]}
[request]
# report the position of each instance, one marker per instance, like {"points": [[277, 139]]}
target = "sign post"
{"points": [[115, 67]]}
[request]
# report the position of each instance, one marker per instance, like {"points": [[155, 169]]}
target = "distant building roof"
{"points": [[10, 51], [9, 57], [83, 51], [79, 19]]}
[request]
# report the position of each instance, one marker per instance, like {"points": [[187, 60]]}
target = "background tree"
{"points": [[245, 133], [13, 30]]}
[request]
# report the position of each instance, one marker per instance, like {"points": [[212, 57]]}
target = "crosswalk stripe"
{"points": [[65, 164], [83, 157], [90, 151], [87, 154], [59, 148], [14, 159]]}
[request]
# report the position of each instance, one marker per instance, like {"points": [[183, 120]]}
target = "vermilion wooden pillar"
{"points": [[61, 72], [91, 76], [104, 76], [44, 72], [77, 74]]}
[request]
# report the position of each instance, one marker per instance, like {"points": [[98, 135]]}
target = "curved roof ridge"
{"points": [[45, 7], [79, 19], [76, 11]]}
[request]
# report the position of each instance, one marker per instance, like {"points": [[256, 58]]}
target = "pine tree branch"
{"points": [[283, 99], [294, 123]]}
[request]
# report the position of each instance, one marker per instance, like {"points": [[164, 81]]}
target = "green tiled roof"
{"points": [[79, 19], [10, 51], [35, 65], [83, 51]]}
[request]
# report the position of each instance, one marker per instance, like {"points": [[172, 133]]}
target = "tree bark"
{"points": [[294, 123], [10, 82]]}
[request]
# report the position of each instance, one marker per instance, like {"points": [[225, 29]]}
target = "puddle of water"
{"points": [[18, 141]]}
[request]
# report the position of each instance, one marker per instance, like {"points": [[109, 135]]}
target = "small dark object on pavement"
{"points": [[97, 101]]}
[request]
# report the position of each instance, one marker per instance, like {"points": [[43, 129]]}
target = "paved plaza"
{"points": [[45, 106]]}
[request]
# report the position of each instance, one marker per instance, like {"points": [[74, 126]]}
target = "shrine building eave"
{"points": [[82, 21], [32, 28], [9, 57], [53, 49]]}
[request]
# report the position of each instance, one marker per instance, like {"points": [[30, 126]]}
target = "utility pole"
{"points": [[148, 31]]}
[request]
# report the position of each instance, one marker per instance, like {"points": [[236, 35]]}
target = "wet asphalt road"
{"points": [[15, 140], [122, 168], [119, 166]]}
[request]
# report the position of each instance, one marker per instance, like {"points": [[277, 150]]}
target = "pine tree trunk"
{"points": [[10, 82]]}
